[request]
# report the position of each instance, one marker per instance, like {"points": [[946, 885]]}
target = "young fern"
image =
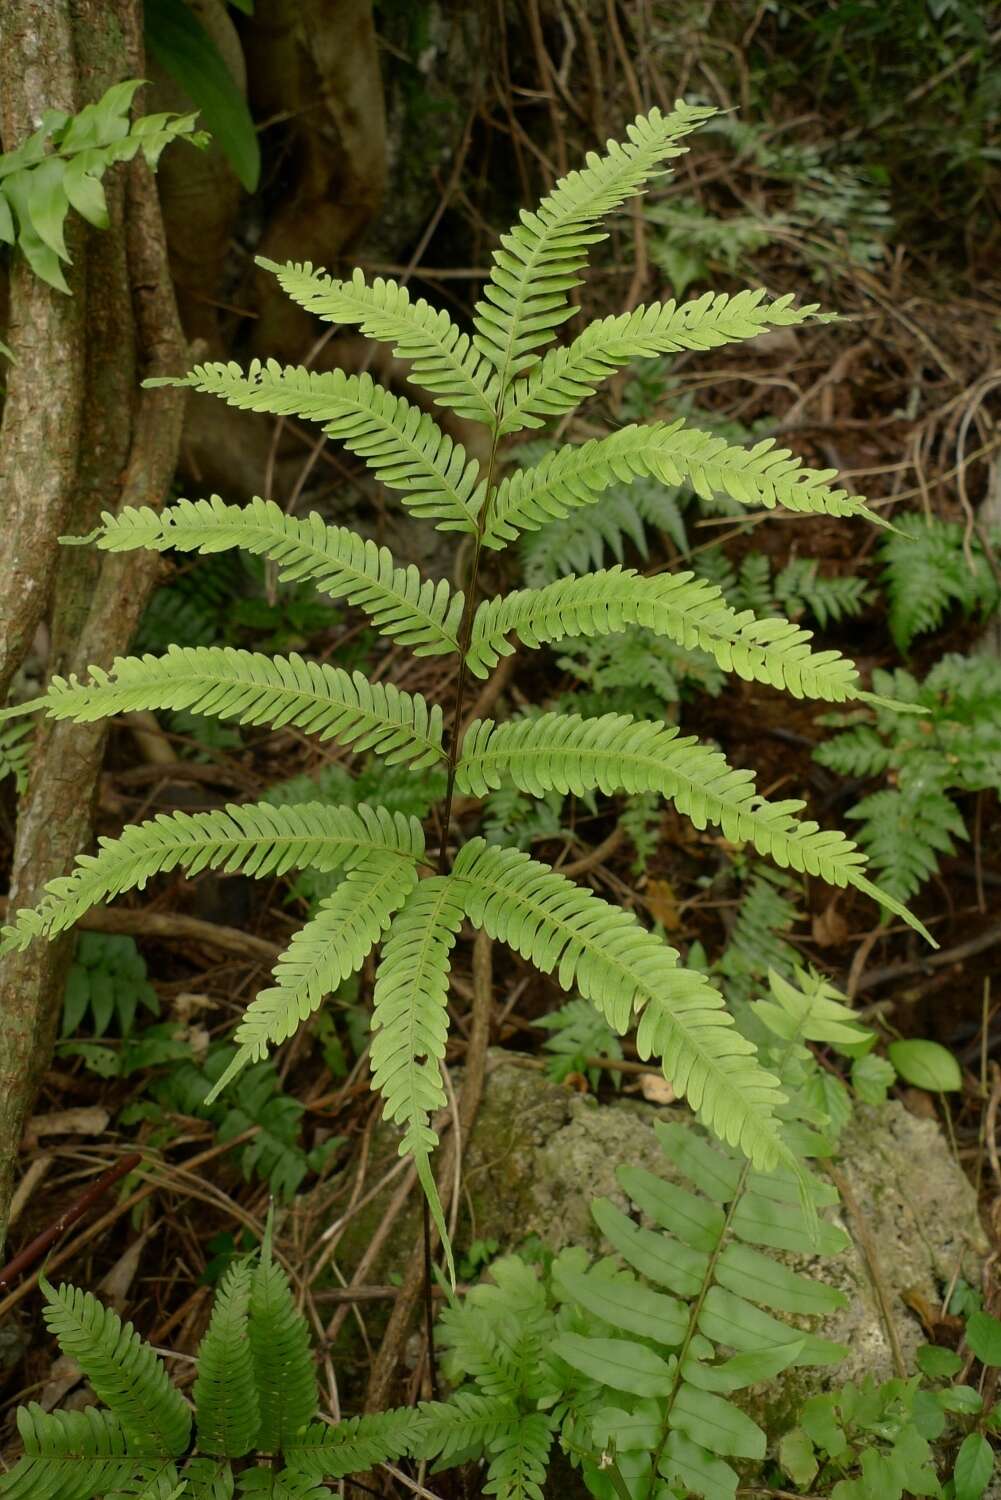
{"points": [[495, 376]]}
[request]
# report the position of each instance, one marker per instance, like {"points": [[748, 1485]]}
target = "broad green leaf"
{"points": [[974, 1467], [983, 1334], [716, 1424], [694, 1220], [766, 1281], [781, 1226], [629, 1306], [731, 1320], [797, 1458], [618, 1363], [636, 1431], [741, 1370], [47, 204], [819, 1419], [872, 1078], [938, 1363], [961, 1398], [689, 1463], [926, 1065], [654, 1254], [84, 189], [182, 46], [703, 1163]]}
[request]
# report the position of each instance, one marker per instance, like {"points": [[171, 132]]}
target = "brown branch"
{"points": [[38, 1246]]}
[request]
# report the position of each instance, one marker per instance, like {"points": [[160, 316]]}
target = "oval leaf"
{"points": [[926, 1065], [618, 1363]]}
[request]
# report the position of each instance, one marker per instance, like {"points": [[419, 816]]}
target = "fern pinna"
{"points": [[393, 892]]}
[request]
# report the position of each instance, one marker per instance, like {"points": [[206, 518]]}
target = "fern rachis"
{"points": [[495, 376]]}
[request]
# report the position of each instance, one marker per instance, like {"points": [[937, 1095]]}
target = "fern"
{"points": [[496, 376], [227, 1411], [15, 754], [279, 1347], [61, 164], [578, 1033], [930, 568], [626, 516], [107, 981], [954, 748]]}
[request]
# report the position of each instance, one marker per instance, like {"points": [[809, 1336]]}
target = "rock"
{"points": [[540, 1153]]}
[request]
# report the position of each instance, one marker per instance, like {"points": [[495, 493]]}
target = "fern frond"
{"points": [[227, 683], [674, 453], [283, 1367], [617, 753], [443, 359], [255, 838], [622, 968], [123, 1370], [227, 1414], [905, 831], [69, 1455], [687, 609], [580, 541], [410, 1022], [929, 568], [353, 1445], [566, 377], [402, 445], [333, 944], [414, 611], [518, 1459], [537, 262], [468, 1423]]}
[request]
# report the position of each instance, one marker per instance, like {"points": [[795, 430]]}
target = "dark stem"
{"points": [[429, 1304], [76, 1210]]}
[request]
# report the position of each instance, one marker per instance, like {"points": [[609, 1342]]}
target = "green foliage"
{"points": [[15, 754], [107, 981], [756, 944], [955, 747], [932, 566], [796, 589], [496, 375], [578, 1033], [60, 166], [182, 46]]}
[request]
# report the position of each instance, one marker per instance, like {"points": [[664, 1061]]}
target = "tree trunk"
{"points": [[125, 453]]}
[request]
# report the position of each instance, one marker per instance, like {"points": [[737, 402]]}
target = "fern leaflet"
{"points": [[403, 446], [621, 968], [352, 1445], [283, 1367], [227, 683], [124, 1372], [255, 838], [410, 1022], [567, 376], [415, 612], [673, 453], [69, 1455], [617, 753], [689, 610], [227, 1413], [443, 359]]}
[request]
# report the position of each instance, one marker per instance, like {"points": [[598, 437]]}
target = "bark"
{"points": [[39, 440], [126, 455]]}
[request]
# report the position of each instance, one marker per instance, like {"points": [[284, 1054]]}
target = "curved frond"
{"points": [[414, 611], [615, 752], [467, 1423], [410, 1022], [352, 1445], [443, 359], [565, 377], [332, 945], [690, 610], [123, 1370], [604, 953], [254, 838], [227, 1414], [577, 475], [283, 1366], [69, 1455], [537, 262], [226, 683], [402, 445]]}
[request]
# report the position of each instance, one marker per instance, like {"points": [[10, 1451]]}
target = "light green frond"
{"points": [[227, 1414], [614, 752], [123, 1370], [283, 1367], [675, 454], [414, 611], [410, 1022], [69, 1455], [519, 1459], [537, 262], [566, 377], [442, 357], [402, 445], [332, 945], [690, 610], [604, 953], [352, 1445], [227, 683], [255, 838]]}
